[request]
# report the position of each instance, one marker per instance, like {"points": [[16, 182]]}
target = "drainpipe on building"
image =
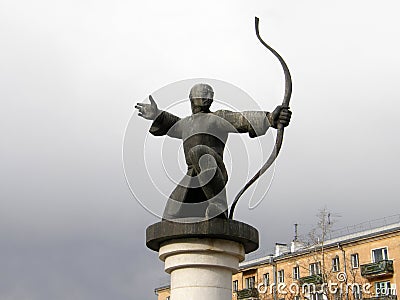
{"points": [[275, 278], [344, 268]]}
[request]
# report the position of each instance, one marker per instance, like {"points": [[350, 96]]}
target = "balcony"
{"points": [[247, 294], [312, 279], [377, 269]]}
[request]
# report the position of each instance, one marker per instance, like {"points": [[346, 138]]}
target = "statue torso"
{"points": [[204, 129]]}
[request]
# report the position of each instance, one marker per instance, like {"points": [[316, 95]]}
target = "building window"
{"points": [[383, 288], [315, 268], [316, 296], [357, 292], [354, 261], [249, 282], [235, 285], [335, 264], [296, 272], [266, 279], [379, 254], [281, 276], [337, 295]]}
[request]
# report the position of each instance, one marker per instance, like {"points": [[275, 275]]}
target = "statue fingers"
{"points": [[139, 108], [284, 117], [153, 103], [277, 111], [285, 114], [284, 121]]}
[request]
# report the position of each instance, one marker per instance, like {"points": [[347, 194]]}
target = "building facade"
{"points": [[362, 265]]}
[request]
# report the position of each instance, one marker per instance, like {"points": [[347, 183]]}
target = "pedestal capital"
{"points": [[224, 229]]}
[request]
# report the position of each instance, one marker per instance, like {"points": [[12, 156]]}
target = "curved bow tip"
{"points": [[256, 21]]}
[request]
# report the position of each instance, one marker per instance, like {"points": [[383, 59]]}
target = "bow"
{"points": [[279, 136]]}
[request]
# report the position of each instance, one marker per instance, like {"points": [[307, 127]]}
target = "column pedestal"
{"points": [[201, 257], [201, 268]]}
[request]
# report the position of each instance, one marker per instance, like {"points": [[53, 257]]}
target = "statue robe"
{"points": [[211, 130]]}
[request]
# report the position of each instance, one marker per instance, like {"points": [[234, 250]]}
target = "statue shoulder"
{"points": [[222, 112]]}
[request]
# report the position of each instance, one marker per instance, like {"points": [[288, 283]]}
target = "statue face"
{"points": [[200, 105], [201, 96]]}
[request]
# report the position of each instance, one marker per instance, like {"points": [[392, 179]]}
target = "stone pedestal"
{"points": [[201, 268], [201, 257]]}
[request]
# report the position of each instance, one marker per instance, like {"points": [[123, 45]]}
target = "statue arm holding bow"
{"points": [[256, 123]]}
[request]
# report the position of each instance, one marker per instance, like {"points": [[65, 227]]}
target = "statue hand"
{"points": [[148, 111], [280, 115]]}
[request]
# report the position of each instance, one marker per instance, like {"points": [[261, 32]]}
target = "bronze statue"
{"points": [[201, 193]]}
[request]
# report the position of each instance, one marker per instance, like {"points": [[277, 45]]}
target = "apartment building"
{"points": [[360, 265]]}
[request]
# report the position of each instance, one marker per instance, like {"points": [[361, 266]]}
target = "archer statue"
{"points": [[204, 135], [201, 194]]}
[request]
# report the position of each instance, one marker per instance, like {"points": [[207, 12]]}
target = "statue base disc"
{"points": [[224, 229]]}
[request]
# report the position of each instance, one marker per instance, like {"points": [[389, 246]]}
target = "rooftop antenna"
{"points": [[295, 232]]}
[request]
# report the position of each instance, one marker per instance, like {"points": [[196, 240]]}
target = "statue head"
{"points": [[201, 96]]}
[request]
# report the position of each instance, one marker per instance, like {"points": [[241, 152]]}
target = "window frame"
{"points": [[318, 269], [357, 293], [336, 264], [296, 272], [250, 282], [316, 296], [266, 279], [388, 288], [235, 285], [386, 251], [352, 260], [281, 276]]}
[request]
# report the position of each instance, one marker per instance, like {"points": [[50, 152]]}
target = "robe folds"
{"points": [[204, 133]]}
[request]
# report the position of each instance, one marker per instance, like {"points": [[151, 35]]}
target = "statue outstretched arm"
{"points": [[166, 123], [163, 122], [255, 123], [148, 111]]}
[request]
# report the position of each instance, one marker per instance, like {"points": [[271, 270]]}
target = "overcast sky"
{"points": [[71, 72]]}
